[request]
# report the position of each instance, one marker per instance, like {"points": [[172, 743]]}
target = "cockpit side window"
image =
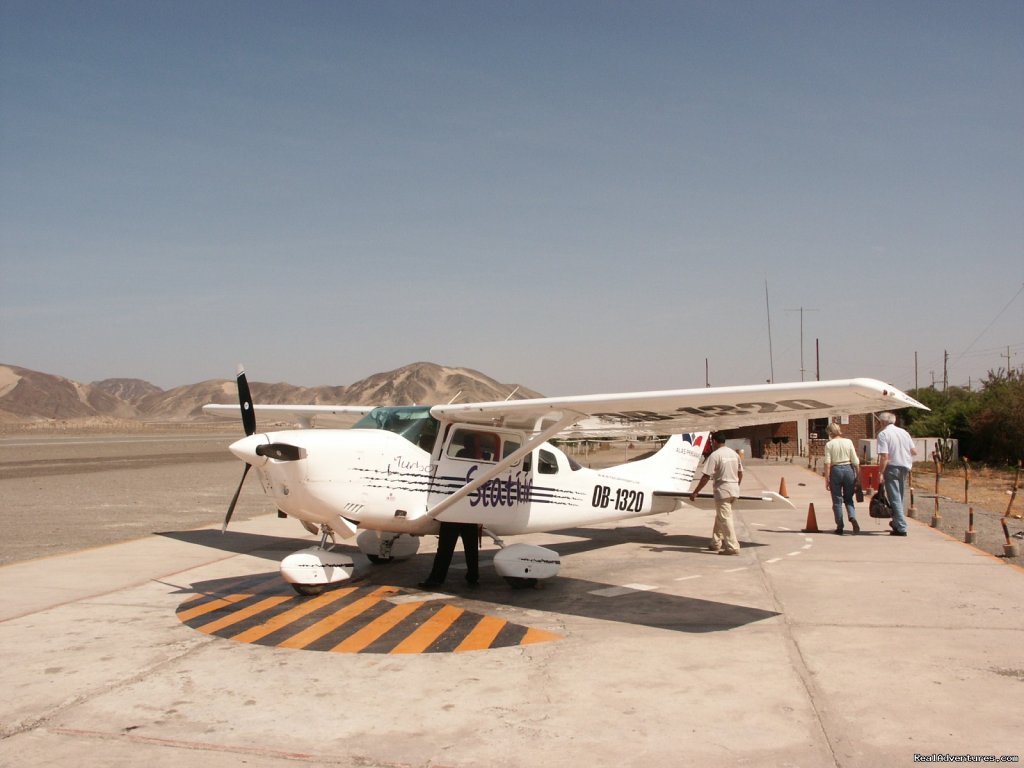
{"points": [[547, 464]]}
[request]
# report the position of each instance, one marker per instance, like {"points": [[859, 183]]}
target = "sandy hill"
{"points": [[31, 396], [428, 383], [129, 390]]}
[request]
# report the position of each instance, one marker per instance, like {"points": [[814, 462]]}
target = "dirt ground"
{"points": [[64, 492], [987, 492], [984, 488]]}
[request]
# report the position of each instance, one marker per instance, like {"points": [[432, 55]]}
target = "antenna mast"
{"points": [[801, 310], [768, 311]]}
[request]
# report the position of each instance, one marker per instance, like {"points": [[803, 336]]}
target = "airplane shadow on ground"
{"points": [[275, 547], [644, 535], [561, 595], [255, 544]]}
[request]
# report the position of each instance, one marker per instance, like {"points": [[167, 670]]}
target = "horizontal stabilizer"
{"points": [[766, 500]]}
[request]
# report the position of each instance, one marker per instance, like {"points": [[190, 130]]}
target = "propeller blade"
{"points": [[245, 402], [281, 451], [234, 499]]}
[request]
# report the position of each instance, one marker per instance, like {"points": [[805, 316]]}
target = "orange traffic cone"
{"points": [[783, 492], [812, 520]]}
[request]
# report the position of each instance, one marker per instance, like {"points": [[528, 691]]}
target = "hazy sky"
{"points": [[577, 196]]}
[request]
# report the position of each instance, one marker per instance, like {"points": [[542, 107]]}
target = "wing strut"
{"points": [[567, 418]]}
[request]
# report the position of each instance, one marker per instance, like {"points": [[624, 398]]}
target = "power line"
{"points": [[987, 327]]}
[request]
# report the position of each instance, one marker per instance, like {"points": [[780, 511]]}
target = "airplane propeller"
{"points": [[276, 451], [234, 499], [249, 425], [245, 402]]}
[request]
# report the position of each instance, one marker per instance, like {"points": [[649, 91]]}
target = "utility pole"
{"points": [[945, 370], [801, 310]]}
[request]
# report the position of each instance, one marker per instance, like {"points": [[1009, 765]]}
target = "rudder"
{"points": [[672, 468]]}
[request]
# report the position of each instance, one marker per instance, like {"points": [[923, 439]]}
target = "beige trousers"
{"points": [[724, 534]]}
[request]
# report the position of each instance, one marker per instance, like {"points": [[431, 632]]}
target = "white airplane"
{"points": [[400, 471]]}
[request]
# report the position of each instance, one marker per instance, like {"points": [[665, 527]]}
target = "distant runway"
{"points": [[62, 494]]}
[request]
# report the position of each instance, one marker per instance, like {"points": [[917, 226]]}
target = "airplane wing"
{"points": [[339, 416], [685, 410]]}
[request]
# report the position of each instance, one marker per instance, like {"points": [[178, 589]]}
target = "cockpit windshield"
{"points": [[413, 422]]}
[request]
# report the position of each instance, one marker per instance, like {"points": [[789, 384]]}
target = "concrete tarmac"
{"points": [[805, 650]]}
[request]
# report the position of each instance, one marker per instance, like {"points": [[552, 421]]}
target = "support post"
{"points": [[936, 515], [969, 534], [1010, 548]]}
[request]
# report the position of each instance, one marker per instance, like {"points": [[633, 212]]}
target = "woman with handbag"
{"points": [[842, 466]]}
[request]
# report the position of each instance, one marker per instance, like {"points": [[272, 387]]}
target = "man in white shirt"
{"points": [[895, 458], [724, 467]]}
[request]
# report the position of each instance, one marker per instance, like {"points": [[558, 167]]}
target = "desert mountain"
{"points": [[129, 390], [30, 395], [27, 395], [423, 383]]}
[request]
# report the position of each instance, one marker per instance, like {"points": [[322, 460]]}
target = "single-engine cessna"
{"points": [[399, 471]]}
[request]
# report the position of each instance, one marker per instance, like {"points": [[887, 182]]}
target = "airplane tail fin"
{"points": [[672, 468]]}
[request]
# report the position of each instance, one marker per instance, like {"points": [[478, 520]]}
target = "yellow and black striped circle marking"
{"points": [[358, 619]]}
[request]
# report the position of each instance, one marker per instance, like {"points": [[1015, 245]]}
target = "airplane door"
{"points": [[469, 451]]}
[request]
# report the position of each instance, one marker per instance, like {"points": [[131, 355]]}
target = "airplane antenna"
{"points": [[801, 310], [512, 393], [768, 310], [455, 397]]}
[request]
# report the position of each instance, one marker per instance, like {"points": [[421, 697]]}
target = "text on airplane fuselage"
{"points": [[624, 500], [501, 491], [403, 464]]}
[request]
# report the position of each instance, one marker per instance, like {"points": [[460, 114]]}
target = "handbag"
{"points": [[879, 506], [858, 491]]}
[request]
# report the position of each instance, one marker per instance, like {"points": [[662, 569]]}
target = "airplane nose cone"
{"points": [[245, 449]]}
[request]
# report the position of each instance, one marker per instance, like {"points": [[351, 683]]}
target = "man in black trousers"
{"points": [[450, 533]]}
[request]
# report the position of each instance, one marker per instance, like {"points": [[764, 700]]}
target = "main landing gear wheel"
{"points": [[381, 548], [309, 590], [518, 582]]}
